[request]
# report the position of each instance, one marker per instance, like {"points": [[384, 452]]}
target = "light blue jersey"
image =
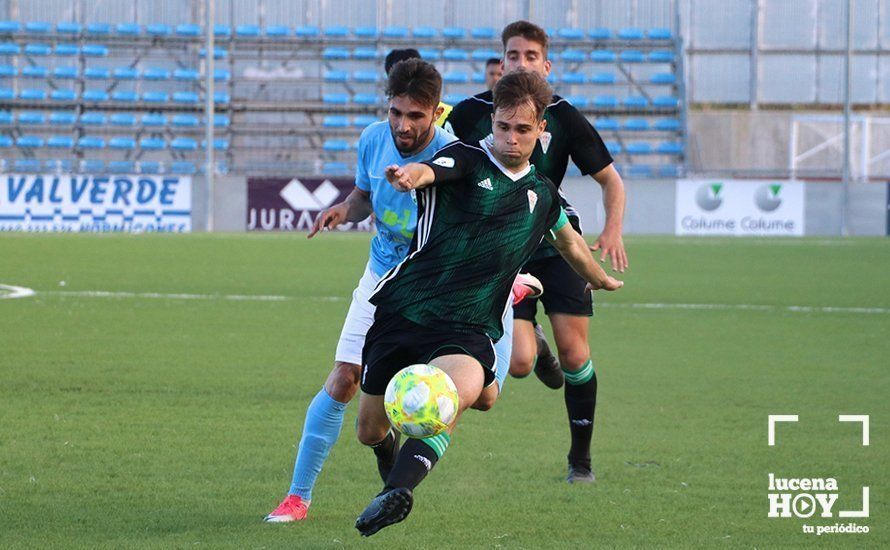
{"points": [[395, 212]]}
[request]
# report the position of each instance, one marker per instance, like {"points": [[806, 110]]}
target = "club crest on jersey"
{"points": [[486, 184], [545, 141], [532, 200], [444, 162]]}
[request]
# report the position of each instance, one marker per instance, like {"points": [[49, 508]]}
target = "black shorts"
{"points": [[563, 290], [393, 343]]}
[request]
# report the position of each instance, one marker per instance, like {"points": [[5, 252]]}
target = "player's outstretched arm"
{"points": [[610, 243], [411, 176], [573, 248], [356, 207]]}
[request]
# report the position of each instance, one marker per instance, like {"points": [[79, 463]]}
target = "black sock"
{"points": [[415, 460], [385, 451], [580, 397]]}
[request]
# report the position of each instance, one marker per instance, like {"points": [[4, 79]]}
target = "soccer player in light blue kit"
{"points": [[410, 135]]}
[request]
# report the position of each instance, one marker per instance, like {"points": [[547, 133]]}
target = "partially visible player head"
{"points": [[413, 88], [525, 47], [493, 72], [520, 99], [394, 56]]}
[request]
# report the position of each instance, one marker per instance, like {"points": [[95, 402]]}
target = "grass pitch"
{"points": [[142, 419]]}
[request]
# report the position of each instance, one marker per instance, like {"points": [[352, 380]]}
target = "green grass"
{"points": [[161, 422]]}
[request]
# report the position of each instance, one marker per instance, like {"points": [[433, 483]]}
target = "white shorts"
{"points": [[358, 320]]}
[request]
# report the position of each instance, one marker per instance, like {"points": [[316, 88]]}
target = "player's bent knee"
{"points": [[343, 382], [520, 367], [574, 359], [369, 434]]}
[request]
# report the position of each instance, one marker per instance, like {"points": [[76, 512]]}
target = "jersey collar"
{"points": [[484, 143]]}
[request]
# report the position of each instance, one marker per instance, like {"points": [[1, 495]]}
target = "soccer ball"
{"points": [[421, 401]]}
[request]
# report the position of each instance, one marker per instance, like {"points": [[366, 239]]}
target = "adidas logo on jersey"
{"points": [[486, 184]]}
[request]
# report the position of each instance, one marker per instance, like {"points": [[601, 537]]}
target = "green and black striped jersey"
{"points": [[476, 226]]}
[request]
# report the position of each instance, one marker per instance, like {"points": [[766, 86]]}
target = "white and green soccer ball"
{"points": [[421, 401]]}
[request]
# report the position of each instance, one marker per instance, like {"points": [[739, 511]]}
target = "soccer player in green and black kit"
{"points": [[566, 302], [483, 209]]}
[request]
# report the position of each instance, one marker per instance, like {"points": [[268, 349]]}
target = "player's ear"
{"points": [[547, 66], [542, 126], [438, 113]]}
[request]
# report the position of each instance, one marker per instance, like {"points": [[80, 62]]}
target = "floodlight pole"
{"points": [[208, 111], [845, 226]]}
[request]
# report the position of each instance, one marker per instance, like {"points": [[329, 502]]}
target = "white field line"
{"points": [[9, 291]]}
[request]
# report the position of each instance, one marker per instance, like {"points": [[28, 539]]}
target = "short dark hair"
{"points": [[527, 30], [493, 61], [520, 87], [397, 55], [417, 79]]}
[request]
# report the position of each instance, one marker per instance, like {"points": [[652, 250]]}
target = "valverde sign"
{"points": [[740, 207]]}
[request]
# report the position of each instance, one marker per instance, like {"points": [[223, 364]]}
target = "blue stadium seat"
{"points": [[306, 31], [638, 170], [659, 34], [430, 54], [156, 73], [636, 125], [122, 119], [663, 78], [184, 144], [669, 170], [67, 50], [122, 142], [219, 144], [221, 75], [32, 94], [277, 31], [395, 32], [62, 94], [614, 147], [667, 125], [573, 56], [32, 71], [572, 78], [98, 29], [29, 142], [155, 97], [335, 53], [9, 48], [670, 148], [7, 93], [102, 73], [660, 56], [478, 78], [125, 73], [248, 31], [635, 102], [5, 141], [128, 29], [455, 54], [603, 56], [158, 29], [92, 119], [424, 32], [336, 76], [152, 143], [631, 56], [38, 49], [570, 34], [579, 101], [484, 54], [7, 71], [455, 77], [186, 97], [30, 117], [665, 102], [62, 118], [454, 33], [363, 53], [218, 53], [365, 76], [361, 121], [221, 121], [188, 75], [335, 168], [183, 167], [187, 121], [602, 78], [483, 33], [121, 166], [153, 119], [630, 33], [38, 27], [337, 99], [60, 142], [26, 165], [552, 79], [605, 101], [150, 166], [223, 31], [365, 32], [454, 99], [335, 122], [65, 72], [606, 124], [638, 148], [599, 33], [336, 31], [94, 50], [336, 145], [124, 96], [188, 29], [221, 97], [10, 27], [5, 118], [366, 99]]}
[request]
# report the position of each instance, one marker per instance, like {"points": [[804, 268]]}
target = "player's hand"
{"points": [[608, 283], [329, 219], [611, 244], [399, 177]]}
